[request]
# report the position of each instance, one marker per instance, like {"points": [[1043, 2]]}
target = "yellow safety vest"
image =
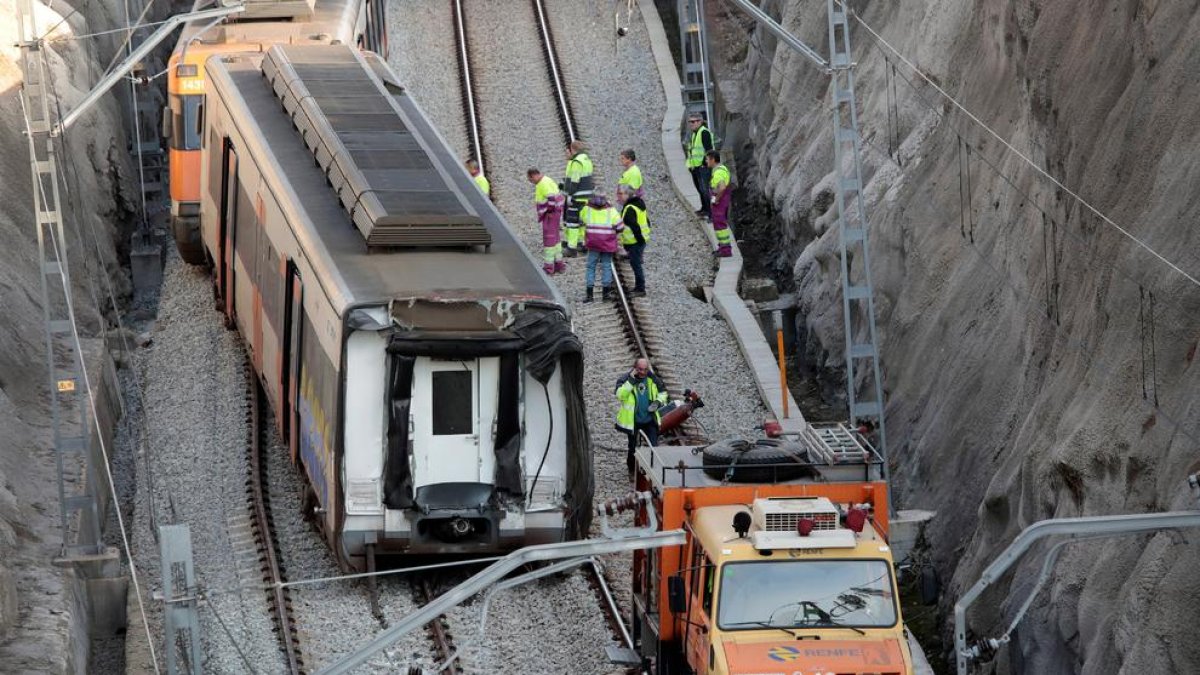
{"points": [[696, 147], [627, 235]]}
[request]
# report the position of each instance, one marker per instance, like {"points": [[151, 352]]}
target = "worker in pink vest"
{"points": [[549, 201], [602, 229], [721, 188]]}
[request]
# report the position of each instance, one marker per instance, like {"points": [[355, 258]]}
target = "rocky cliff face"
{"points": [[1038, 362], [37, 600]]}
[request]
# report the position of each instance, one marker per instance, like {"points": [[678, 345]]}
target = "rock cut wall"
{"points": [[1038, 363], [41, 626]]}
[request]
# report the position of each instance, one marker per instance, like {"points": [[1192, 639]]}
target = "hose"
{"points": [[549, 438]]}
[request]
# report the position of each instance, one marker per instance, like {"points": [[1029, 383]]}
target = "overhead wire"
{"points": [[1045, 174], [142, 432], [101, 33], [1067, 337], [1033, 201]]}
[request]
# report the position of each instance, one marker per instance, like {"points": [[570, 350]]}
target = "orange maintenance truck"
{"points": [[786, 568]]}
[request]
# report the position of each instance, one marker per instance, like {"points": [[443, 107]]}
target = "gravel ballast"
{"points": [[195, 408], [195, 413]]}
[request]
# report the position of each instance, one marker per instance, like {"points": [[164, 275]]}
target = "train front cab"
{"points": [[183, 130]]}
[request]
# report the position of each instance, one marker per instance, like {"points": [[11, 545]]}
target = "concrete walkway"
{"points": [[733, 309]]}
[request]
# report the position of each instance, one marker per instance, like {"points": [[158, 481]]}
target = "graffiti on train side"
{"points": [[315, 439]]}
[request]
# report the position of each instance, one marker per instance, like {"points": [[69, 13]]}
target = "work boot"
{"points": [[638, 293], [607, 294], [591, 295], [560, 266], [569, 252], [548, 268]]}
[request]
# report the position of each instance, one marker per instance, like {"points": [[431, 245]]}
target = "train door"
{"points": [[227, 234], [293, 317], [454, 408]]}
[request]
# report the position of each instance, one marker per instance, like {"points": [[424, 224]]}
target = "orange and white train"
{"points": [[264, 23]]}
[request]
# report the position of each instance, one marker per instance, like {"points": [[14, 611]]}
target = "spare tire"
{"points": [[765, 460]]}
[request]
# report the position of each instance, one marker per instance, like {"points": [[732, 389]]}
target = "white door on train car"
{"points": [[453, 411]]}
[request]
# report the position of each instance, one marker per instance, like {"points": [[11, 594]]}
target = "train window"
{"points": [[453, 402], [187, 122]]}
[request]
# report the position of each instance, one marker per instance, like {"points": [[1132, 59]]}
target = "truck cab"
{"points": [[786, 586], [787, 572]]}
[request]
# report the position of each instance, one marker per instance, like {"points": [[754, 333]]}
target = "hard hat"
{"points": [[598, 200]]}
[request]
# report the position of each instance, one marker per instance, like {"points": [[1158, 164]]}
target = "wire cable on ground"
{"points": [[1045, 174], [87, 383], [224, 628], [1121, 270]]}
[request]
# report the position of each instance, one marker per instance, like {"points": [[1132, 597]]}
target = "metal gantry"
{"points": [[64, 364], [693, 50], [858, 293]]}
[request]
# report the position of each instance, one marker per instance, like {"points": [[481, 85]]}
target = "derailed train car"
{"points": [[422, 369]]}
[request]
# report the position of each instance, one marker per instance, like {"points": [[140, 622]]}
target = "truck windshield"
{"points": [[853, 593]]}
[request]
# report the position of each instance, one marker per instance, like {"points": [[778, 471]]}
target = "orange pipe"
{"points": [[783, 388]]}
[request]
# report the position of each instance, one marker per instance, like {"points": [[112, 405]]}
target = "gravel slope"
{"points": [[194, 383]]}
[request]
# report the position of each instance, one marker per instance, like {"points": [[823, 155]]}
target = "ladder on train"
{"points": [[69, 406], [858, 293]]}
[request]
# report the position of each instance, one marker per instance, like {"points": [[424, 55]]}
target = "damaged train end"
{"points": [[421, 368], [478, 442]]}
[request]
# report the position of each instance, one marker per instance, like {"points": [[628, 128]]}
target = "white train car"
{"points": [[421, 367]]}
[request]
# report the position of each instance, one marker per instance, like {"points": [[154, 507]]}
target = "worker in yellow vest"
{"points": [[549, 204], [632, 176], [722, 196], [700, 142], [481, 181], [636, 234], [578, 187]]}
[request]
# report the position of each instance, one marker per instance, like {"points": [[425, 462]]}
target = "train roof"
{"points": [[348, 268], [328, 21]]}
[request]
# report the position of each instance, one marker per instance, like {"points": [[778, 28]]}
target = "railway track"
{"points": [[427, 588], [470, 101], [263, 526], [633, 324]]}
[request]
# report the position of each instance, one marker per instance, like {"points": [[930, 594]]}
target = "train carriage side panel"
{"points": [[365, 421], [262, 219]]}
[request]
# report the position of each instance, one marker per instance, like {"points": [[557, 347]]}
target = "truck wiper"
{"points": [[830, 623], [815, 616], [764, 624]]}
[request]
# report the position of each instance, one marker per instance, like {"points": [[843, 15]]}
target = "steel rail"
{"points": [[629, 314], [470, 103], [556, 80], [278, 595], [443, 641]]}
